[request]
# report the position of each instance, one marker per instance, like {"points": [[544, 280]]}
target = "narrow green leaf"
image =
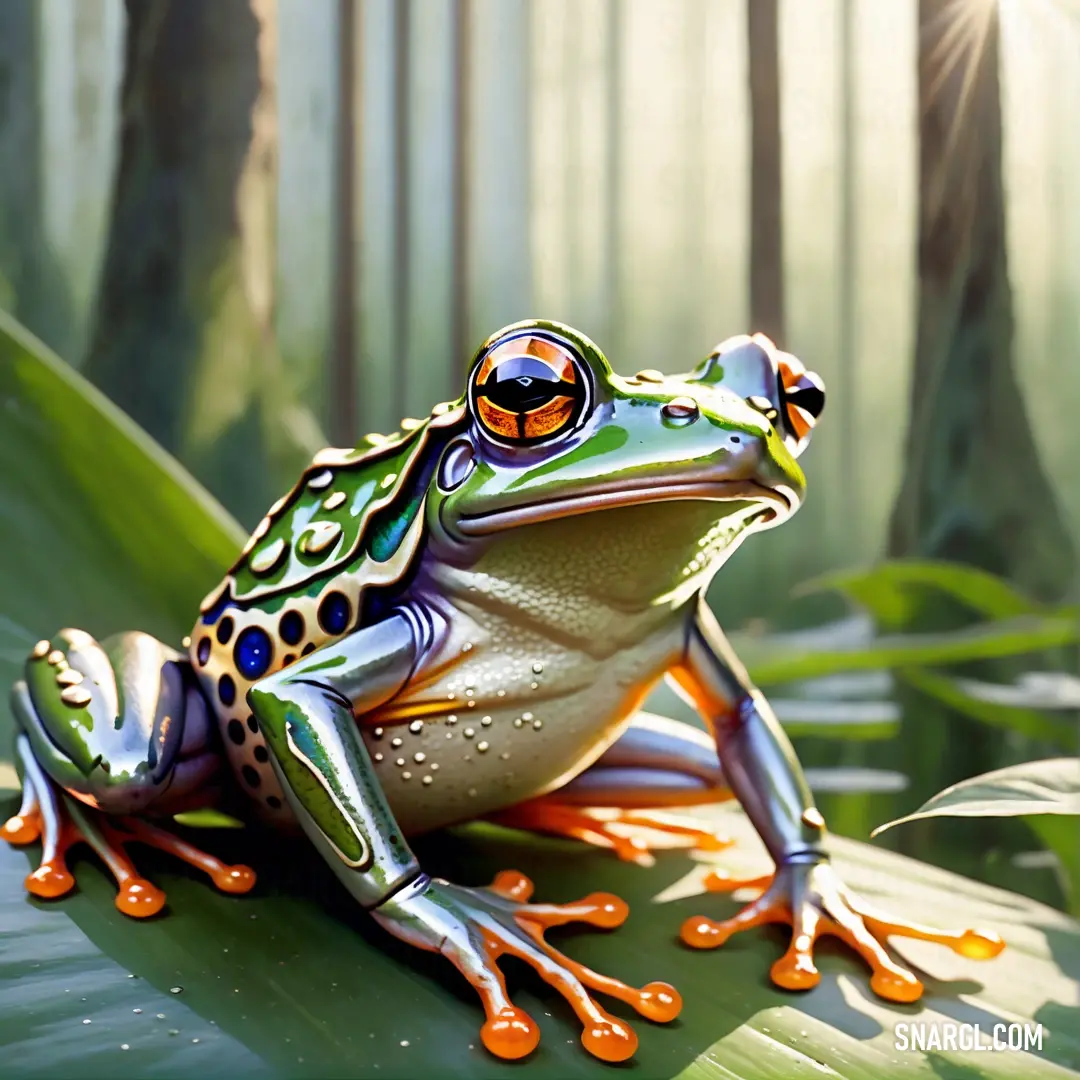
{"points": [[962, 695], [892, 591], [1051, 786], [770, 664]]}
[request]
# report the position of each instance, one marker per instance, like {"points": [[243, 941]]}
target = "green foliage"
{"points": [[963, 695], [103, 530], [1036, 787], [771, 663], [895, 591], [1033, 789]]}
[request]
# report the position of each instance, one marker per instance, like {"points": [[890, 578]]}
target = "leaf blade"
{"points": [[1051, 786], [770, 664]]}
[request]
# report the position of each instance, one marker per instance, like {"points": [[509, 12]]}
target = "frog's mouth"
{"points": [[781, 503]]}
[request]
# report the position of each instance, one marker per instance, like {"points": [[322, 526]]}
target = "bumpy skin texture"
{"points": [[460, 620]]}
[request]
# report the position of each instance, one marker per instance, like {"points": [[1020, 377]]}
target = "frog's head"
{"points": [[554, 434]]}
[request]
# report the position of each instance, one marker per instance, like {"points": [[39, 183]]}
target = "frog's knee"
{"points": [[119, 723]]}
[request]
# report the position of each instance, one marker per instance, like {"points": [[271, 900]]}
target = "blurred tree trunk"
{"points": [[32, 286], [343, 380], [184, 338], [766, 226], [974, 489]]}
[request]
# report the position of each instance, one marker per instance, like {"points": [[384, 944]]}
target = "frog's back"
{"points": [[346, 535]]}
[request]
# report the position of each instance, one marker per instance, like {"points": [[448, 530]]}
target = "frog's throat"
{"points": [[782, 503]]}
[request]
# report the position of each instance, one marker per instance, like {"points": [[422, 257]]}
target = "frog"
{"points": [[461, 621]]}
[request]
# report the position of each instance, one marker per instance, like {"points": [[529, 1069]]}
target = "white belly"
{"points": [[498, 714]]}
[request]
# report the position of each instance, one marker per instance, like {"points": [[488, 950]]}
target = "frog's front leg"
{"points": [[805, 891], [108, 732], [307, 716]]}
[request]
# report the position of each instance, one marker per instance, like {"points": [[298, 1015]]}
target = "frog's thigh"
{"points": [[119, 724], [656, 764], [107, 730]]}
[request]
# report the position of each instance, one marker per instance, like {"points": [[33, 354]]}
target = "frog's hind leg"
{"points": [[656, 765], [108, 732]]}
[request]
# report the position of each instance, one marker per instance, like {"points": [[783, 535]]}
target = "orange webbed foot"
{"points": [[599, 826], [236, 879], [22, 828], [25, 826], [473, 928], [64, 823], [812, 900]]}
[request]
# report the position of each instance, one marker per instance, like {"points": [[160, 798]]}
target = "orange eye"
{"points": [[527, 389], [804, 396]]}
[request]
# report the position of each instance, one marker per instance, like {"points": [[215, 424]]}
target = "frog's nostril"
{"points": [[681, 410], [763, 406]]}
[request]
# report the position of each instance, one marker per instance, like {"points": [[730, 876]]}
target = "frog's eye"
{"points": [[802, 396], [528, 389]]}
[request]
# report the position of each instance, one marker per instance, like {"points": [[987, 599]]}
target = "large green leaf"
{"points": [[1047, 793], [294, 981], [1035, 787], [103, 531], [101, 528]]}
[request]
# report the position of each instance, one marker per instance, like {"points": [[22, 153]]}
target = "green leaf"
{"points": [[294, 980], [770, 663], [101, 528], [895, 590], [969, 696], [1035, 787], [1059, 834]]}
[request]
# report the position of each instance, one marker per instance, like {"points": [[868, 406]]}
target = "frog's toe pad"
{"points": [[609, 1039], [139, 898], [21, 829], [603, 1035], [508, 925], [510, 1034], [50, 881], [236, 880]]}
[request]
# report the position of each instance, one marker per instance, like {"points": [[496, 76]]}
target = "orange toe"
{"points": [[235, 879], [700, 932], [21, 829], [608, 911], [898, 986], [979, 945], [49, 881], [609, 1039], [513, 885], [795, 971], [721, 881], [139, 898], [510, 1035], [659, 1002]]}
